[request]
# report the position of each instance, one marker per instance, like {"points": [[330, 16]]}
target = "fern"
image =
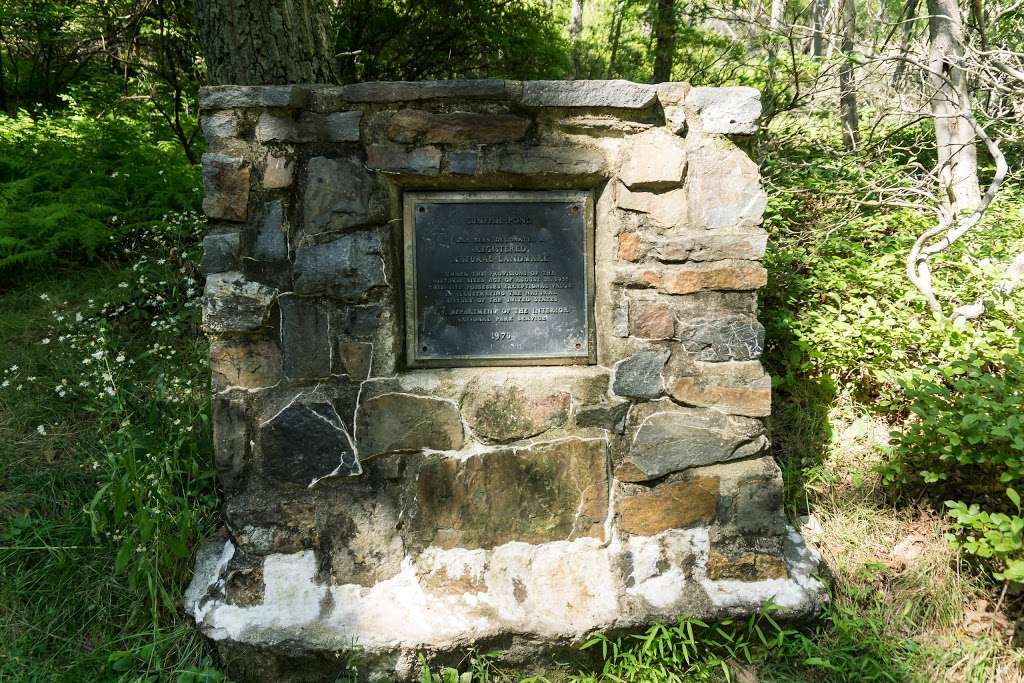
{"points": [[73, 187]]}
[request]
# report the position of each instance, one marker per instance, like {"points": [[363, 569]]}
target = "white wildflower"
{"points": [[41, 430]]}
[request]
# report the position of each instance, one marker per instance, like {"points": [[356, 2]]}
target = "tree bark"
{"points": [[265, 42], [665, 40], [819, 10], [615, 35], [908, 17], [847, 84], [575, 31], [950, 105]]}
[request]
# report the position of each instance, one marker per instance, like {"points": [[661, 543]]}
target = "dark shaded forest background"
{"points": [[891, 149]]}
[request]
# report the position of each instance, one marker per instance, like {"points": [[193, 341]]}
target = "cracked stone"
{"points": [[723, 339], [734, 387], [639, 376], [305, 442]]}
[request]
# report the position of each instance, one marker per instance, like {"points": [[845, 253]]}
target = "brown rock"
{"points": [[278, 172], [550, 492], [651, 320], [746, 567], [509, 412], [676, 505], [396, 422], [418, 126], [734, 387], [717, 275], [631, 247], [244, 363], [225, 187]]}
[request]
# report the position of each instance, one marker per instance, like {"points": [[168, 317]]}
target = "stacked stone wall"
{"points": [[392, 510]]}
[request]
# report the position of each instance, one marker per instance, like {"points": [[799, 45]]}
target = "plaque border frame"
{"points": [[409, 202]]}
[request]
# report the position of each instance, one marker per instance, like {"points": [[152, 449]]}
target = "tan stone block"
{"points": [[724, 187], [664, 209], [631, 246], [676, 505], [278, 172], [655, 160], [736, 387], [247, 364], [418, 126], [651, 320], [717, 275]]}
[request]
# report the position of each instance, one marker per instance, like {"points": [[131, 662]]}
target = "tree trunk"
{"points": [[615, 35], [775, 20], [819, 9], [665, 37], [908, 17], [575, 30], [847, 85], [265, 42], [950, 103]]}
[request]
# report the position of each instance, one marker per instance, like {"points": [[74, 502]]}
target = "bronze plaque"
{"points": [[499, 278]]}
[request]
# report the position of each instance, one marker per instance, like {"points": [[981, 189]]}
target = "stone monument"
{"points": [[486, 371]]}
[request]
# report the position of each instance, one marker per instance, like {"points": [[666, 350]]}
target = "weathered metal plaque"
{"points": [[499, 278]]}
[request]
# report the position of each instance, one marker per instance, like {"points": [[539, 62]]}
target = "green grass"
{"points": [[66, 613]]}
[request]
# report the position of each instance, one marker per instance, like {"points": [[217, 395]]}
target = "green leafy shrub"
{"points": [[966, 439], [74, 185]]}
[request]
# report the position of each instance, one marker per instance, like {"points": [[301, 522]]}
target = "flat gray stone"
{"points": [[722, 339], [397, 159], [393, 422], [271, 242], [247, 96], [732, 110], [402, 91], [711, 246], [305, 338], [549, 160], [347, 267], [338, 195], [639, 376], [220, 253], [233, 304], [678, 438], [219, 124], [342, 126], [724, 188], [617, 94], [463, 163], [282, 127]]}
